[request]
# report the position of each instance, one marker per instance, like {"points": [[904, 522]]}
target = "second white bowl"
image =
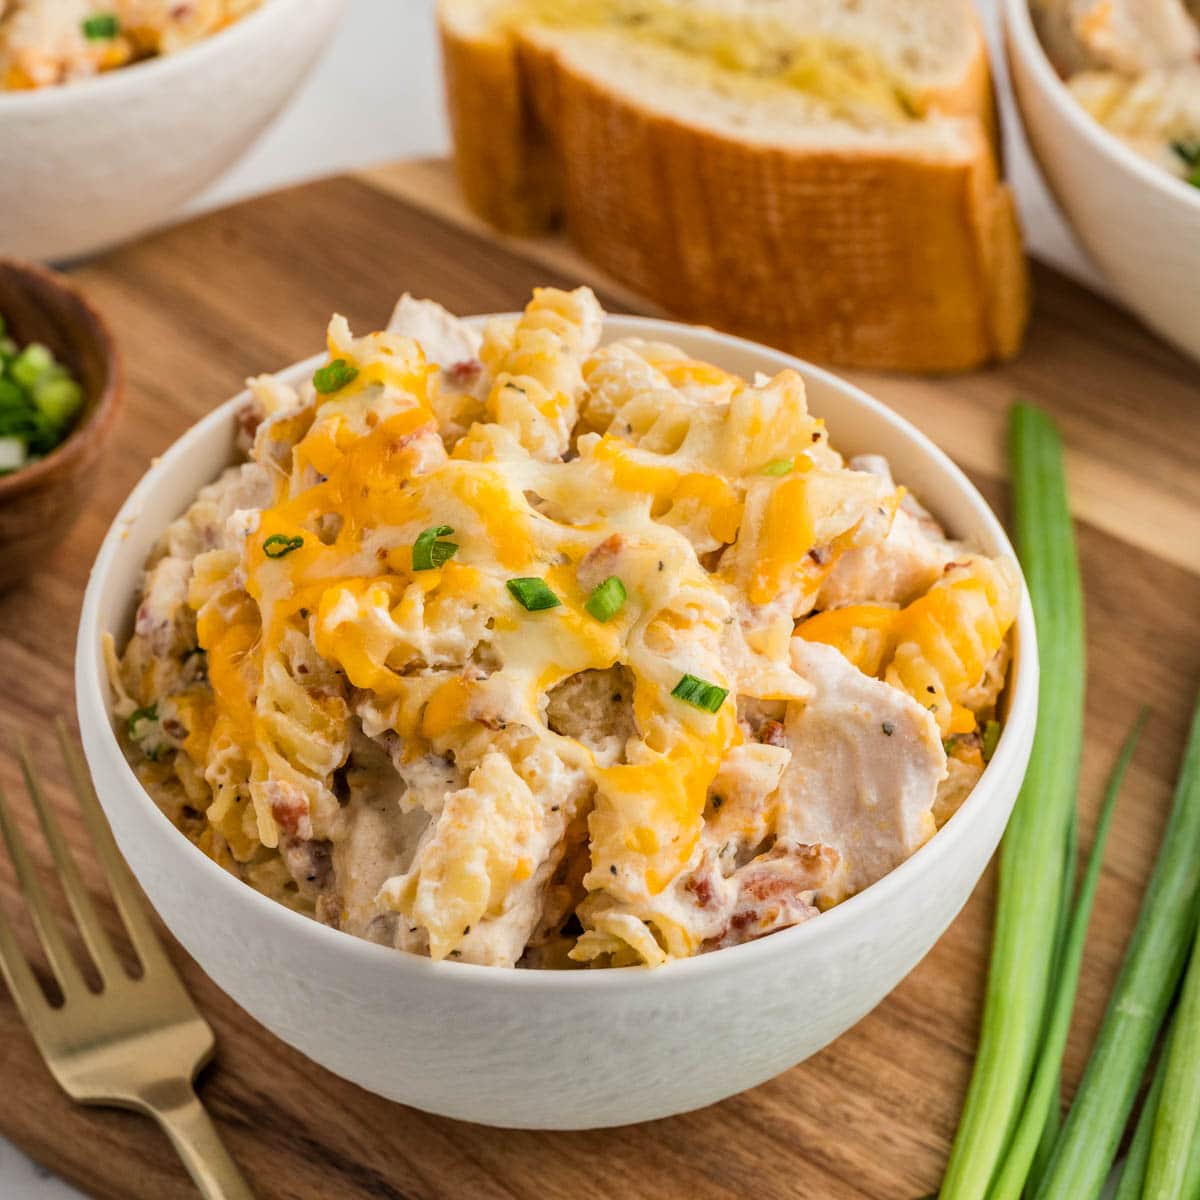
{"points": [[1141, 226], [553, 1049], [89, 164]]}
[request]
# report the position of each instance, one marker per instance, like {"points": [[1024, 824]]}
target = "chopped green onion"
{"points": [[607, 599], [991, 737], [1024, 946], [428, 553], [12, 395], [1188, 151], [101, 26], [1041, 1101], [333, 377], [149, 713], [700, 693], [533, 594], [279, 544], [1154, 962], [12, 454], [31, 364], [39, 401], [59, 397], [781, 466]]}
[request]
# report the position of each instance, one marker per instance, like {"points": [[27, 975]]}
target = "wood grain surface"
{"points": [[198, 308]]}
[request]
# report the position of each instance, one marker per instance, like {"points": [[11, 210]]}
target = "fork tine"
{"points": [[18, 975], [96, 940], [44, 921], [120, 880]]}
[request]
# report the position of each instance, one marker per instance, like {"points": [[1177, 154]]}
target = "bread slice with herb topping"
{"points": [[818, 174]]}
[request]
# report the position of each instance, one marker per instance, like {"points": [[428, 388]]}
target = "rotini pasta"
{"points": [[507, 650]]}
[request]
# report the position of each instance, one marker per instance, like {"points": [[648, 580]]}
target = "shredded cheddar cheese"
{"points": [[485, 764]]}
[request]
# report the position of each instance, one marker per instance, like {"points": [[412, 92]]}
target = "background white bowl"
{"points": [[544, 1049], [1140, 225], [91, 163]]}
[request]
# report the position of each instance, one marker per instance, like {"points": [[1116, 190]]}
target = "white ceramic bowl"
{"points": [[91, 163], [1141, 226], [545, 1049]]}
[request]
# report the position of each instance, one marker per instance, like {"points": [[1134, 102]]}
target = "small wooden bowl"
{"points": [[39, 503]]}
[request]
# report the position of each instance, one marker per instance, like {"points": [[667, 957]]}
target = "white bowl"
{"points": [[91, 163], [546, 1049], [1140, 225]]}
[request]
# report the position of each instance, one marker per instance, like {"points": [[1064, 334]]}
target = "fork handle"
{"points": [[178, 1111]]}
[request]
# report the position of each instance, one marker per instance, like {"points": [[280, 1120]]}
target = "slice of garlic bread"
{"points": [[819, 174]]}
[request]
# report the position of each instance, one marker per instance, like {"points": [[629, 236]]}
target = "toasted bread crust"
{"points": [[859, 258], [504, 163]]}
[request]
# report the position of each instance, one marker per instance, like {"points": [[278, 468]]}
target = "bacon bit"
{"points": [[249, 417], [464, 372], [701, 887], [371, 418], [775, 891], [174, 728], [600, 561], [819, 555], [289, 807], [772, 733], [406, 439], [181, 12]]}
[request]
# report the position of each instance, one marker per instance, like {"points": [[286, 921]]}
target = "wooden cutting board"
{"points": [[198, 308]]}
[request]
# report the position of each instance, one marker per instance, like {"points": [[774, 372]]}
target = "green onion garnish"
{"points": [[607, 599], [428, 553], [333, 377], [781, 466], [279, 544], [533, 594], [1021, 976], [31, 364], [101, 26], [991, 736], [1188, 151], [59, 397], [700, 692], [149, 713]]}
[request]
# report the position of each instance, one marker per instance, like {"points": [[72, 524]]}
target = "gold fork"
{"points": [[137, 1043]]}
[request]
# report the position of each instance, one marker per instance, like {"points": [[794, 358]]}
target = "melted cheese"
{"points": [[847, 77], [318, 618]]}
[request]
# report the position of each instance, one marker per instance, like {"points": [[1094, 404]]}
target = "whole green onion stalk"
{"points": [[1031, 893], [1041, 1103], [1154, 962], [1176, 1141]]}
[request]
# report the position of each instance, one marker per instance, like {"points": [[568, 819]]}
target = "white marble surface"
{"points": [[376, 96]]}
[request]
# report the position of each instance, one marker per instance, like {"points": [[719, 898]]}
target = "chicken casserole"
{"points": [[523, 649]]}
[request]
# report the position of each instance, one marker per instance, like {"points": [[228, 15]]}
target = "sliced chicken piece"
{"points": [[454, 346], [445, 338], [864, 774], [894, 571], [1127, 36]]}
